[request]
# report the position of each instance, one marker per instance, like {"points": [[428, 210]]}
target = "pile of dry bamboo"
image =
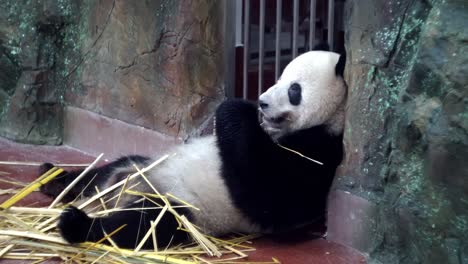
{"points": [[28, 233]]}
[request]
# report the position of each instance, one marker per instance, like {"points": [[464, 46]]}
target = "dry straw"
{"points": [[30, 233]]}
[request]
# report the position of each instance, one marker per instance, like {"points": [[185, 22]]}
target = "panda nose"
{"points": [[262, 104]]}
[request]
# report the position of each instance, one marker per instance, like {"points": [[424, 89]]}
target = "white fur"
{"points": [[194, 175], [323, 95]]}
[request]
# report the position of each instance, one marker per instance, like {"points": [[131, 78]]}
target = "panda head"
{"points": [[310, 92]]}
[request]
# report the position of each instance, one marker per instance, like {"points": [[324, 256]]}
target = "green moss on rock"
{"points": [[406, 130], [39, 43]]}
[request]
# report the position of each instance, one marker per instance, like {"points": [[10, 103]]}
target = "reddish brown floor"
{"points": [[297, 248], [10, 151]]}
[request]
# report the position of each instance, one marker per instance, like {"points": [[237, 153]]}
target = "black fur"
{"points": [[295, 94], [95, 177], [75, 226], [340, 65], [272, 186], [322, 46]]}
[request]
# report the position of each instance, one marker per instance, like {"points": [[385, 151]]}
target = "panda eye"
{"points": [[295, 94]]}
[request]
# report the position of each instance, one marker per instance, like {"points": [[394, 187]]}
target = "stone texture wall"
{"points": [[157, 64], [401, 194], [37, 43]]}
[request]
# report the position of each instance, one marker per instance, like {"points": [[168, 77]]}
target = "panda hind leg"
{"points": [[76, 227], [99, 176]]}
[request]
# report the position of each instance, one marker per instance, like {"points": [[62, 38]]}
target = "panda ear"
{"points": [[340, 65], [322, 46]]}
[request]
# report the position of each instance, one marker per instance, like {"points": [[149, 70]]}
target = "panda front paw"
{"points": [[75, 225], [54, 187]]}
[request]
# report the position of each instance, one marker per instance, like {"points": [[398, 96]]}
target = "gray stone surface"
{"points": [[406, 135], [37, 41], [157, 64]]}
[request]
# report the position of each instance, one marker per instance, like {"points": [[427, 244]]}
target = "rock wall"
{"points": [[404, 177], [157, 64], [38, 40]]}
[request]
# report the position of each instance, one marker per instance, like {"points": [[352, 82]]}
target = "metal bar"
{"points": [[238, 23], [312, 24], [261, 43], [246, 48], [295, 28], [331, 24], [277, 41], [232, 23]]}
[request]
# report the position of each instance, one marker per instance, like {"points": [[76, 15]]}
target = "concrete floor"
{"points": [[293, 248]]}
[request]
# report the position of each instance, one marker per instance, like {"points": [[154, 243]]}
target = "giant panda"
{"points": [[241, 179]]}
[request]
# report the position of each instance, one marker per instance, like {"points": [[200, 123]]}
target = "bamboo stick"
{"points": [[75, 181], [46, 177], [23, 163]]}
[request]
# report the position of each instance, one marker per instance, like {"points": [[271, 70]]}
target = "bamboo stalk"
{"points": [[107, 236], [182, 201], [148, 255], [23, 163], [5, 250], [28, 234], [153, 236], [300, 154], [46, 177], [39, 255], [14, 182], [150, 231], [34, 210], [100, 257], [75, 181], [124, 187], [106, 191], [103, 204], [31, 235], [8, 191], [117, 185], [211, 248]]}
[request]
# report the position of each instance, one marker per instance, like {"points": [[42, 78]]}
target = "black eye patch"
{"points": [[295, 94]]}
